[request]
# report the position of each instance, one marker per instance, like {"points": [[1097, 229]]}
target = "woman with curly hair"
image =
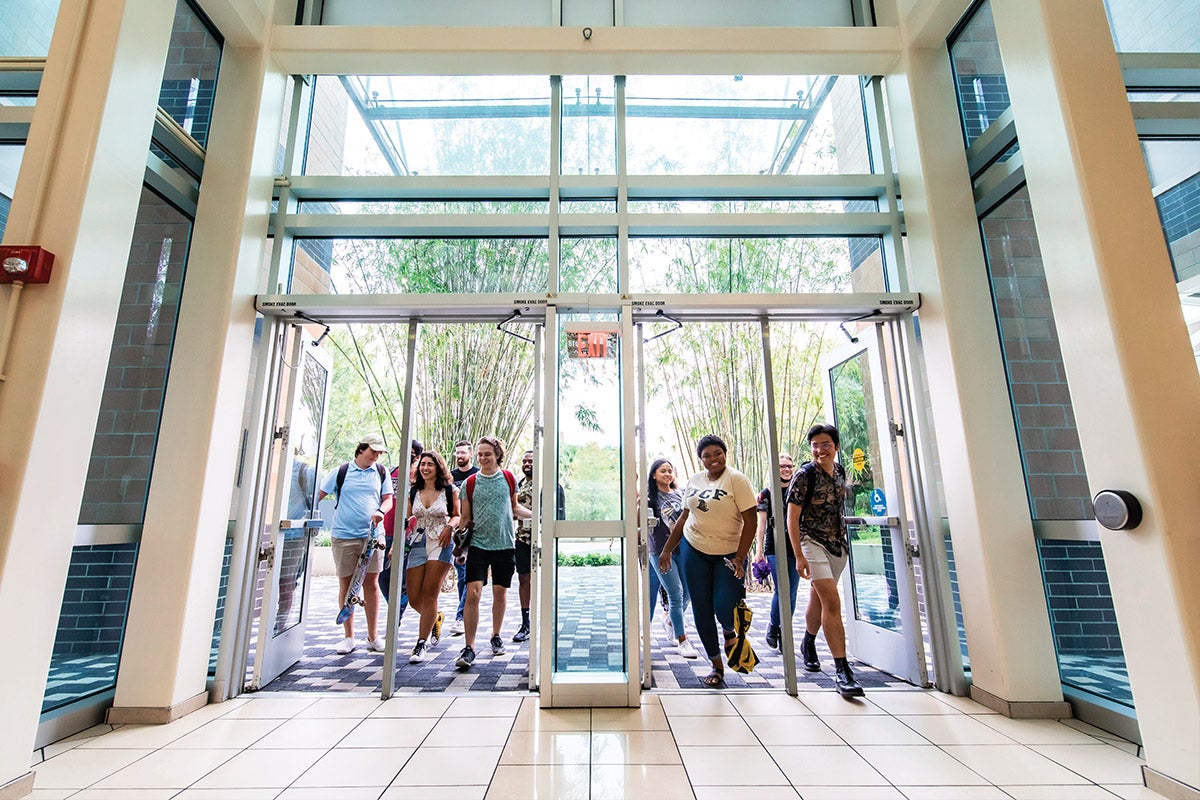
{"points": [[433, 514]]}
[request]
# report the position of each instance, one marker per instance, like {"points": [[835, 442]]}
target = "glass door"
{"points": [[589, 653], [296, 455], [883, 626]]}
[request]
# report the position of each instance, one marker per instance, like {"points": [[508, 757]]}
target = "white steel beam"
{"points": [[388, 50]]}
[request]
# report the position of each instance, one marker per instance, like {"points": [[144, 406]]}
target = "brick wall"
{"points": [[190, 76], [95, 600], [1054, 472], [127, 427], [26, 26], [1081, 609]]}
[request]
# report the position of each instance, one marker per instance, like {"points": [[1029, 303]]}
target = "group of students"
{"points": [[700, 544], [481, 499], [701, 541]]}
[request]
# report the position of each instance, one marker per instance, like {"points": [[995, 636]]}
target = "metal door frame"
{"points": [[900, 653], [272, 650]]}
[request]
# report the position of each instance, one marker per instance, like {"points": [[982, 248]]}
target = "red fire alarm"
{"points": [[27, 264]]}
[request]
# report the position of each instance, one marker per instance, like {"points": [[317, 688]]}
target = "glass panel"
{"points": [[26, 27], [589, 417], [222, 598], [91, 625], [589, 613], [872, 561], [423, 207], [1174, 168], [587, 265], [814, 264], [978, 74], [423, 266], [1041, 399], [568, 206], [304, 436], [1154, 26], [751, 206], [589, 138], [10, 164], [392, 125], [190, 79], [954, 592], [1083, 620], [745, 125], [118, 476]]}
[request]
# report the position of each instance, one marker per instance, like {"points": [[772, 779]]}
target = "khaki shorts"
{"points": [[346, 553], [820, 563]]}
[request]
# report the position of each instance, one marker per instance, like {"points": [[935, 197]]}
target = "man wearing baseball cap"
{"points": [[364, 495]]}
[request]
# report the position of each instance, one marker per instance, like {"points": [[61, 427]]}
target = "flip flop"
{"points": [[714, 679]]}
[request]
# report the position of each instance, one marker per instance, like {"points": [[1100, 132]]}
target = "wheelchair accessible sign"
{"points": [[878, 503]]}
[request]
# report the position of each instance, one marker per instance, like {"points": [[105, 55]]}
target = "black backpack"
{"points": [[341, 478]]}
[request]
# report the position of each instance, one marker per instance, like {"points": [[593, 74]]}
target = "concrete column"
{"points": [[1013, 666], [77, 195], [1125, 348], [164, 663]]}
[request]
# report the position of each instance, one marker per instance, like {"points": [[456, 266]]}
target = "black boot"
{"points": [[846, 685], [773, 638], [808, 652]]}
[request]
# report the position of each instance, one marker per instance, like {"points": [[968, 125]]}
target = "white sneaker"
{"points": [[344, 647], [418, 653], [457, 628], [376, 645], [686, 649], [667, 626]]}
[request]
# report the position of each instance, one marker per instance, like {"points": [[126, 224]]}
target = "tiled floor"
{"points": [[901, 745], [601, 643]]}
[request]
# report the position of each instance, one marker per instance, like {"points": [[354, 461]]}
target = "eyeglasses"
{"points": [[787, 466], [821, 445]]}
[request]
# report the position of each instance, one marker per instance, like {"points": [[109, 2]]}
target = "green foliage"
{"points": [[591, 480], [588, 559]]}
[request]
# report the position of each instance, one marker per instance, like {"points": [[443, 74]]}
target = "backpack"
{"points": [[810, 469], [470, 484], [341, 478]]}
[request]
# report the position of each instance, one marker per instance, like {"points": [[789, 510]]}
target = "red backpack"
{"points": [[470, 485]]}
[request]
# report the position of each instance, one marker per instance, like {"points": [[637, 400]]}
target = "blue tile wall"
{"points": [[1082, 618], [958, 612], [95, 600], [219, 618], [1179, 212]]}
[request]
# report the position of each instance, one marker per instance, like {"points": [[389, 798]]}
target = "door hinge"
{"points": [[282, 433]]}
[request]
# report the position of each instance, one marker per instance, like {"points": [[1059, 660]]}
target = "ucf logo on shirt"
{"points": [[705, 495]]}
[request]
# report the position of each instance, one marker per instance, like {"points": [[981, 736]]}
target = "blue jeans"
{"points": [[793, 585], [460, 570], [715, 591], [677, 591]]}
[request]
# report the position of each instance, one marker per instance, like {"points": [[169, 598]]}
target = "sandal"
{"points": [[715, 679]]}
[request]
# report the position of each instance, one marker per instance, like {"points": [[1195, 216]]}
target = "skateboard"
{"points": [[354, 593]]}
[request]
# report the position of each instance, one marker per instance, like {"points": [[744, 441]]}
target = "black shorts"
{"points": [[502, 563], [524, 558]]}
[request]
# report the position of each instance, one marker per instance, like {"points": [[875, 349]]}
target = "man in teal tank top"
{"points": [[489, 504]]}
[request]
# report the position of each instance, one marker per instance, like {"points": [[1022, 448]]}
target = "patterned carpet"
{"points": [[589, 637]]}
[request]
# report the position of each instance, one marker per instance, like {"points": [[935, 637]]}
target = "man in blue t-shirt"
{"points": [[364, 497]]}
